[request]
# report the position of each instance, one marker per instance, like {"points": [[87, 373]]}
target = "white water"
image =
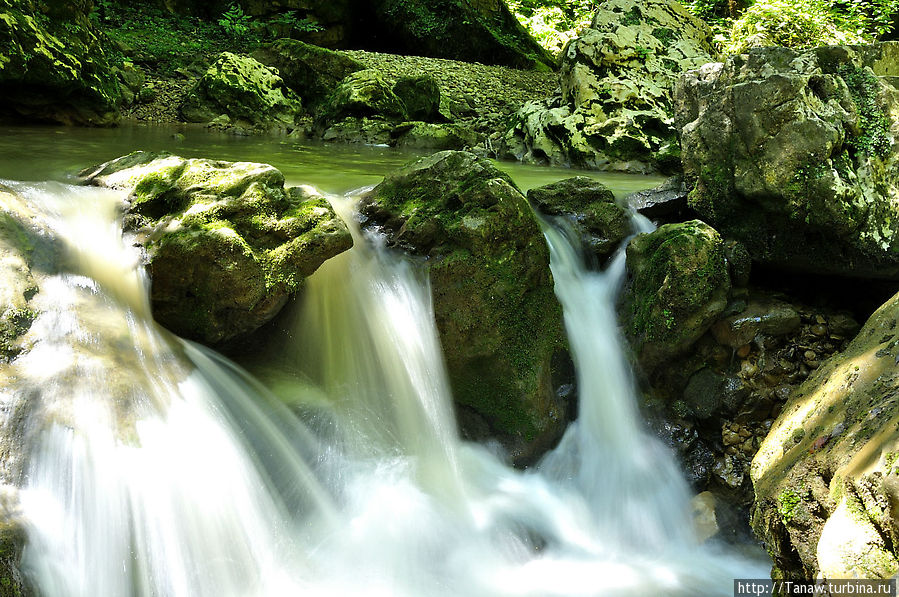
{"points": [[157, 469]]}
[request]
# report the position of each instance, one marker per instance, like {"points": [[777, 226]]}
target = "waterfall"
{"points": [[154, 467]]}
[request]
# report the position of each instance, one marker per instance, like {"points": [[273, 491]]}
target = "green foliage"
{"points": [[235, 22], [789, 23], [873, 123], [553, 23]]}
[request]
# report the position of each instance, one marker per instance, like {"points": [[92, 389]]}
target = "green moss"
{"points": [[873, 124], [788, 503]]}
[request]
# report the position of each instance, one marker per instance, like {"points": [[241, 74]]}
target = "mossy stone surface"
{"points": [[227, 244], [497, 315], [591, 207], [53, 66], [243, 89], [792, 154], [678, 285]]}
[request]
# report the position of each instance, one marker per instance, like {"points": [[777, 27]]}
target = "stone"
{"points": [[825, 477], [53, 65], [421, 96], [678, 284], [792, 155], [366, 94], [309, 71], [600, 222], [615, 107], [433, 136], [763, 315], [226, 243], [244, 90], [498, 318], [667, 202]]}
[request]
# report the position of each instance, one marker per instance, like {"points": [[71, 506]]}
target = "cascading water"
{"points": [[156, 468]]}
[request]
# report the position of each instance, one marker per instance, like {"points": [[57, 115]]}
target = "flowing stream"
{"points": [[154, 467]]}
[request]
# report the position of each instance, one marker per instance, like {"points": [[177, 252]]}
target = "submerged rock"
{"points": [[614, 112], [591, 208], [826, 478], [226, 243], [243, 90], [678, 285], [53, 66], [498, 319], [793, 154]]}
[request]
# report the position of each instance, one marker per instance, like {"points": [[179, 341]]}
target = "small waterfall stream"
{"points": [[154, 467]]}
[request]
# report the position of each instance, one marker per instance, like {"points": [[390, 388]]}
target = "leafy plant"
{"points": [[235, 22]]}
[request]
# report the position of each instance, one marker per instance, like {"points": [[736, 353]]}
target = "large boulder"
{"points": [[243, 89], [53, 66], [678, 285], [826, 477], [309, 71], [793, 154], [590, 207], [226, 243], [498, 319], [614, 111]]}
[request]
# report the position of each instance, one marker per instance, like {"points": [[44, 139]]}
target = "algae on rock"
{"points": [[227, 244], [497, 315]]}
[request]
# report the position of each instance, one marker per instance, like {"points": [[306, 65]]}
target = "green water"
{"points": [[59, 153]]}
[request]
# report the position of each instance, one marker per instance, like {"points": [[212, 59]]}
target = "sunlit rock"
{"points": [[227, 244], [793, 154]]}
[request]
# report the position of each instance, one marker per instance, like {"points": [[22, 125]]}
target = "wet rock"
{"points": [[53, 65], [678, 285], [825, 475], [226, 243], [309, 71], [427, 135], [614, 111], [600, 222], [763, 315], [244, 90], [793, 156], [666, 202], [498, 319]]}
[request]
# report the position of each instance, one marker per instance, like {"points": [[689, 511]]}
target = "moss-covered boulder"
{"points": [[678, 284], [244, 90], [433, 136], [793, 154], [226, 243], [498, 319], [309, 71], [615, 111], [421, 96], [590, 207], [826, 477], [363, 93], [52, 64]]}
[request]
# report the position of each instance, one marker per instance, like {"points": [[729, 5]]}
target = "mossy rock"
{"points": [[792, 154], [826, 477], [244, 90], [678, 284], [227, 244], [498, 319], [53, 66], [309, 71], [591, 208], [363, 94]]}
